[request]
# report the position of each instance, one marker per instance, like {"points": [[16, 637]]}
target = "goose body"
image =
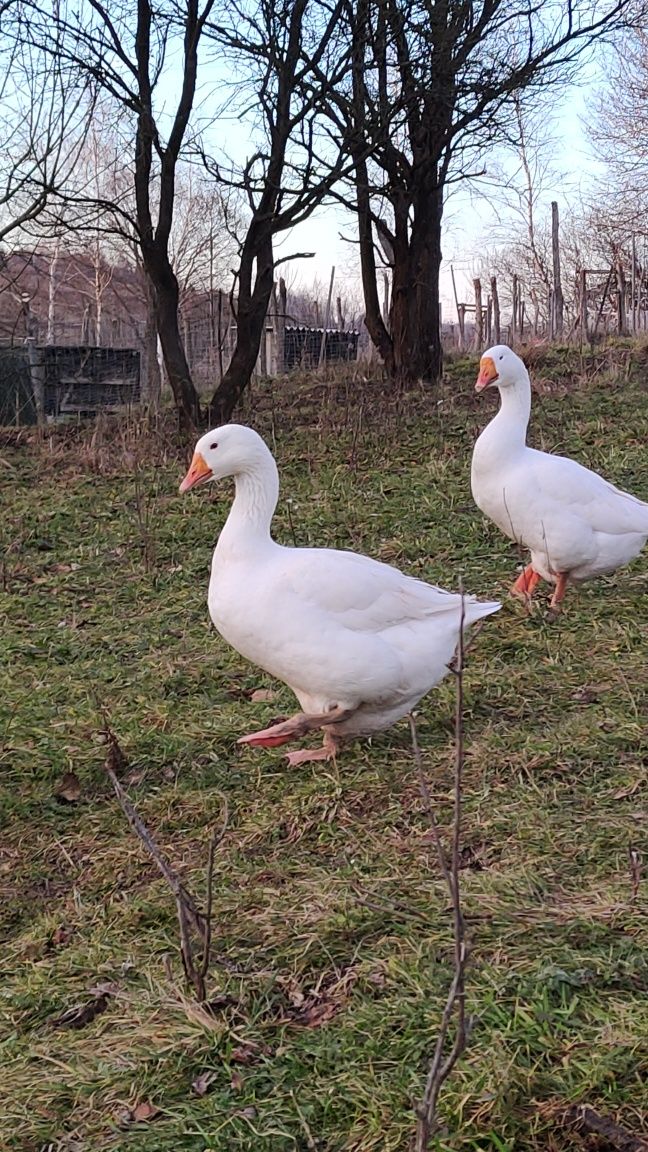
{"points": [[357, 641], [575, 524]]}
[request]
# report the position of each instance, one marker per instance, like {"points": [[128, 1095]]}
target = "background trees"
{"points": [[45, 110], [433, 86], [289, 56], [125, 53], [383, 105]]}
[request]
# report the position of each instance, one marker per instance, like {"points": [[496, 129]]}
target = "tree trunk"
{"points": [[415, 312], [252, 308], [165, 287], [373, 317], [150, 380]]}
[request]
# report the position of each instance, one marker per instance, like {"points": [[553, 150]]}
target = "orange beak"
{"points": [[199, 471], [488, 373]]}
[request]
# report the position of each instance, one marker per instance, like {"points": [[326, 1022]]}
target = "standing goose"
{"points": [[357, 641], [575, 524]]}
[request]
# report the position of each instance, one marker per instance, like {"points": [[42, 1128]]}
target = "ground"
{"points": [[332, 933]]}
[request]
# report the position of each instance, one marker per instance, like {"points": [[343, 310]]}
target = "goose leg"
{"points": [[328, 751], [298, 725], [525, 584], [558, 596]]}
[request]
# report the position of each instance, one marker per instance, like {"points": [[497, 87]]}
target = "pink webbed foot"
{"points": [[293, 728], [525, 584], [305, 754], [328, 751], [267, 738], [555, 604]]}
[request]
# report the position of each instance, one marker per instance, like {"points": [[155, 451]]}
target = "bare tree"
{"points": [[126, 53], [44, 114], [293, 52], [619, 130], [430, 90]]}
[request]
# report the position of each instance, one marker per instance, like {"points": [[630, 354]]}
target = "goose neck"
{"points": [[515, 409], [255, 500]]}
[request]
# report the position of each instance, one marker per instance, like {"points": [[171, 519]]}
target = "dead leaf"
{"points": [[587, 694], [315, 1015], [107, 988], [201, 1085], [263, 696], [623, 793], [81, 1014], [59, 936], [236, 1082], [247, 1053], [293, 991], [143, 1112], [69, 789]]}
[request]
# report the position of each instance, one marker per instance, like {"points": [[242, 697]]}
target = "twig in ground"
{"points": [[443, 1061], [190, 920]]}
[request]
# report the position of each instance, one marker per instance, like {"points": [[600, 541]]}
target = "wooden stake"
{"points": [[326, 319], [558, 302], [479, 316], [461, 315], [583, 306], [621, 305], [497, 332]]}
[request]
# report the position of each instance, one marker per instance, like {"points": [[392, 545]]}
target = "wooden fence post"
{"points": [[479, 316], [340, 314], [557, 301], [461, 310], [515, 303], [621, 305], [497, 332], [280, 329], [583, 305], [461, 317], [219, 333]]}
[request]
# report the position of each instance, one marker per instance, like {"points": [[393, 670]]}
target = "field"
{"points": [[332, 932]]}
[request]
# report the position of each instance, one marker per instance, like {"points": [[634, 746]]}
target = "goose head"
{"points": [[501, 367], [225, 451]]}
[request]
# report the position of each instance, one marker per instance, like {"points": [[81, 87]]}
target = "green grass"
{"points": [[332, 931]]}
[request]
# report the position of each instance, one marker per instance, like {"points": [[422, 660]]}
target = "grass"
{"points": [[332, 931]]}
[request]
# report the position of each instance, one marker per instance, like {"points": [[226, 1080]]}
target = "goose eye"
{"points": [[214, 445], [501, 358]]}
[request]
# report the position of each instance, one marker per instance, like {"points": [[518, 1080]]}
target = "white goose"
{"points": [[357, 641], [575, 524]]}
